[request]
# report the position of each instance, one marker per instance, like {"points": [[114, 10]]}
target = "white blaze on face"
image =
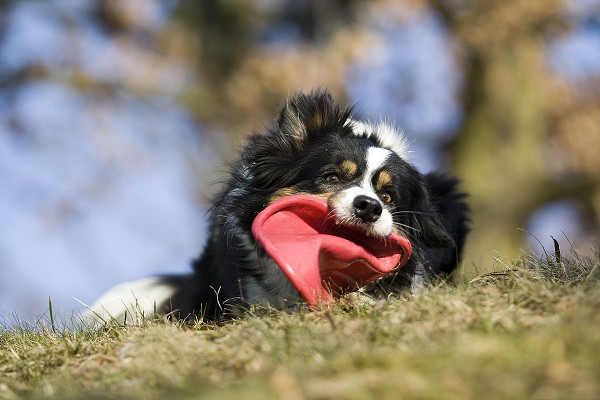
{"points": [[342, 202], [376, 157]]}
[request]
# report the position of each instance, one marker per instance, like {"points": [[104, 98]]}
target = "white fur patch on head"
{"points": [[384, 133], [376, 157]]}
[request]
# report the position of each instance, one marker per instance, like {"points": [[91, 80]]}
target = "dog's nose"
{"points": [[367, 208]]}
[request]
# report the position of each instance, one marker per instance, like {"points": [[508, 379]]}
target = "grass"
{"points": [[529, 331]]}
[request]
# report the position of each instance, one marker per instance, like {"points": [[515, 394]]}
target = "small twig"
{"points": [[52, 324], [557, 256]]}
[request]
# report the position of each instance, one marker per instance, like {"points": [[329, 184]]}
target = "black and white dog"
{"points": [[319, 148]]}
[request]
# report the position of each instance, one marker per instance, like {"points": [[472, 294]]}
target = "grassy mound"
{"points": [[529, 331]]}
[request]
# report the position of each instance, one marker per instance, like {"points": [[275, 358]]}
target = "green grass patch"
{"points": [[529, 331]]}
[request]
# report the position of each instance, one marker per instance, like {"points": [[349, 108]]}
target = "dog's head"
{"points": [[316, 147]]}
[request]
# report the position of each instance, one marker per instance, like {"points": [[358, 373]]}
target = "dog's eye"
{"points": [[386, 198], [331, 177]]}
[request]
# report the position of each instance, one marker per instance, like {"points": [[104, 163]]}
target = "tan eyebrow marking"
{"points": [[290, 191], [283, 192], [383, 179], [349, 167]]}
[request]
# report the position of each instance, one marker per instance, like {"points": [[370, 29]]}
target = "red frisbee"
{"points": [[323, 258]]}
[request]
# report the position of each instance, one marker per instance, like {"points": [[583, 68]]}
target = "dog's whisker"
{"points": [[401, 225], [404, 212], [330, 216]]}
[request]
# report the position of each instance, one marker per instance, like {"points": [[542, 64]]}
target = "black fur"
{"points": [[308, 140]]}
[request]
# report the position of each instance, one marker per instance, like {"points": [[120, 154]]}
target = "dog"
{"points": [[314, 147]]}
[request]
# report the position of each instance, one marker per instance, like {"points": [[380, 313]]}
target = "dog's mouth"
{"points": [[322, 257]]}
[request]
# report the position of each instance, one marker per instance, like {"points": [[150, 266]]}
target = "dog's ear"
{"points": [[429, 229], [306, 114], [424, 221]]}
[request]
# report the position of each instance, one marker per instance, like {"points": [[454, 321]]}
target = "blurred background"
{"points": [[117, 117]]}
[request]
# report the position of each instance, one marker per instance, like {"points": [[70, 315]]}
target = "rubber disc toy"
{"points": [[321, 257]]}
